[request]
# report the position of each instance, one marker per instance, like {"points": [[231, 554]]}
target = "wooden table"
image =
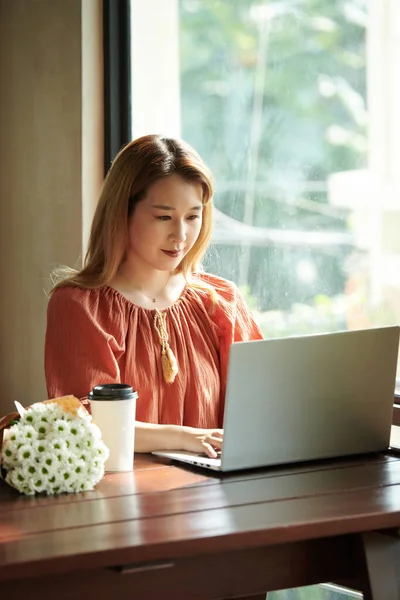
{"points": [[172, 532]]}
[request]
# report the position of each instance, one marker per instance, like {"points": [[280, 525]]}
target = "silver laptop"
{"points": [[303, 398]]}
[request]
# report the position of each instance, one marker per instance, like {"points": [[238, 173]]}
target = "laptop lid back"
{"points": [[309, 397]]}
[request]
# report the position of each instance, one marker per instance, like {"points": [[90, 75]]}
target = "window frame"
{"points": [[117, 77]]}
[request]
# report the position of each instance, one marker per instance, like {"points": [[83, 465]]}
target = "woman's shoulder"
{"points": [[70, 294], [230, 311], [95, 307], [225, 289], [72, 298]]}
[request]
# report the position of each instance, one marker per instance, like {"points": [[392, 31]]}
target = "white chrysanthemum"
{"points": [[40, 446], [42, 427], [58, 447], [26, 452], [14, 434], [76, 446], [78, 430], [62, 428], [35, 414], [30, 469], [84, 486], [49, 450], [68, 478], [14, 478], [80, 468], [39, 408], [68, 461], [84, 416], [48, 460], [9, 453], [95, 430], [101, 451], [85, 456], [29, 434], [46, 466], [39, 483]]}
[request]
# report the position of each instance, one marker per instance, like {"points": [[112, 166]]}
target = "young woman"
{"points": [[141, 311]]}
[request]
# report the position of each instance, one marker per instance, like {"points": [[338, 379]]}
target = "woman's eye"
{"points": [[163, 218], [193, 217]]}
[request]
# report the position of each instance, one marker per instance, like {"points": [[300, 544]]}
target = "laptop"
{"points": [[305, 398]]}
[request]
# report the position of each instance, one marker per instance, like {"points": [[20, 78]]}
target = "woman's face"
{"points": [[166, 223]]}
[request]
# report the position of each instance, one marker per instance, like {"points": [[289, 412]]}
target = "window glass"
{"points": [[275, 97]]}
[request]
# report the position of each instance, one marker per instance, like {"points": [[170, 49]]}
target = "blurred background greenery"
{"points": [[273, 96]]}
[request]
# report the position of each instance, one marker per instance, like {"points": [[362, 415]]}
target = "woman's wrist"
{"points": [[151, 437], [183, 435], [174, 436]]}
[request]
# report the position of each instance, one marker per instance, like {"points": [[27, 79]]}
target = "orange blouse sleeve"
{"points": [[82, 343], [231, 314], [246, 327]]}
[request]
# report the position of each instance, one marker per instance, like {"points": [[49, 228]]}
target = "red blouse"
{"points": [[97, 336]]}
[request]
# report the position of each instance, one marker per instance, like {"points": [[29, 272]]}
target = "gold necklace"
{"points": [[152, 298]]}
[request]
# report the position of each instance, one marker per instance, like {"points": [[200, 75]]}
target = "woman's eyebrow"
{"points": [[165, 207]]}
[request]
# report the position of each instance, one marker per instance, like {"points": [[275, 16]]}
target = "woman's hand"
{"points": [[208, 441]]}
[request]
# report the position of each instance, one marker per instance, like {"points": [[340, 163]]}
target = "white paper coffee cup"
{"points": [[113, 409]]}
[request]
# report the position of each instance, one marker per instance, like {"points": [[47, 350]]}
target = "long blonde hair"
{"points": [[134, 169]]}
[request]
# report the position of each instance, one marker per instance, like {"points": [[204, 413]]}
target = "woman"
{"points": [[140, 311]]}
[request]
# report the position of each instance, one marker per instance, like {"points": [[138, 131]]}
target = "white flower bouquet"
{"points": [[52, 447]]}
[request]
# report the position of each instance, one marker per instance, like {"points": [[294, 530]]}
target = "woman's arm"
{"points": [[150, 438]]}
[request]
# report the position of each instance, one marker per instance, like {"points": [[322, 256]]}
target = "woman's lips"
{"points": [[173, 253]]}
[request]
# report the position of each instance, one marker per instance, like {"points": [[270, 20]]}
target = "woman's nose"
{"points": [[178, 233]]}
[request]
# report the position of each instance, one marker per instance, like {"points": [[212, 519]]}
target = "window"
{"points": [[292, 105]]}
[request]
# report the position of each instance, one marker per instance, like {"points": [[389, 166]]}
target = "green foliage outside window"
{"points": [[273, 96]]}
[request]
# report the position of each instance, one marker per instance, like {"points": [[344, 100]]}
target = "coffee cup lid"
{"points": [[113, 391]]}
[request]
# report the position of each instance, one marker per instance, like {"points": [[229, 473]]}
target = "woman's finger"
{"points": [[209, 450], [213, 441]]}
